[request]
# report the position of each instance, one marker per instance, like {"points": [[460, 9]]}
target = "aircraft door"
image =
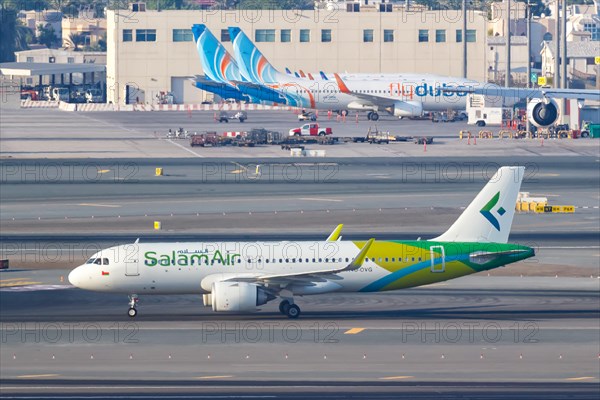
{"points": [[436, 265], [131, 259]]}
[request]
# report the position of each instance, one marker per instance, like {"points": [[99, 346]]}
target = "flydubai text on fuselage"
{"points": [[240, 276]]}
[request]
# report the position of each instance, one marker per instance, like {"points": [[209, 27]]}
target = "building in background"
{"points": [[91, 29], [151, 52], [33, 19]]}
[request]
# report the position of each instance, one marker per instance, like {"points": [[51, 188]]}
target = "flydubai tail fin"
{"points": [[253, 64], [489, 217], [216, 61]]}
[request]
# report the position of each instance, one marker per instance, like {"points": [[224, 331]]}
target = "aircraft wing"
{"points": [[305, 278], [203, 80], [356, 263], [255, 88], [523, 93], [370, 99]]}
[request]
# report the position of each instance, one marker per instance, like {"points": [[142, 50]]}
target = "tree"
{"points": [[75, 40], [47, 35], [23, 36], [8, 17]]}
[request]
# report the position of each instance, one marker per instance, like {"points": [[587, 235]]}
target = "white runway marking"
{"points": [[98, 205], [185, 148], [33, 288], [319, 199]]}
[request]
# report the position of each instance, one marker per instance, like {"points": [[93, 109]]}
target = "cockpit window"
{"points": [[105, 261], [98, 261], [90, 261]]}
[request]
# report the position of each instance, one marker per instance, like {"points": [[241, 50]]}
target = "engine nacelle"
{"points": [[238, 296], [406, 109], [542, 113]]}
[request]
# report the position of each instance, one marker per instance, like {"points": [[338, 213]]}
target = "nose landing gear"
{"points": [[133, 299]]}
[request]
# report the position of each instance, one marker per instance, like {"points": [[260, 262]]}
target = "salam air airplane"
{"points": [[241, 276]]}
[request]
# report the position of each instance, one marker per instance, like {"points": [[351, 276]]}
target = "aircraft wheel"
{"points": [[284, 307], [293, 311], [369, 115], [132, 312], [374, 116]]}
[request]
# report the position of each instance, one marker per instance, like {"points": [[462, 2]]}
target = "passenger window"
{"points": [[320, 260], [347, 259], [413, 259], [393, 259], [386, 259], [267, 261], [280, 260], [314, 260], [327, 260]]}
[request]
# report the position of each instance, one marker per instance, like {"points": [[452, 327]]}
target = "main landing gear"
{"points": [[133, 299], [372, 116], [290, 309]]}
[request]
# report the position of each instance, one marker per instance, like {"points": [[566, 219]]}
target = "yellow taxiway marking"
{"points": [[103, 171], [98, 205], [38, 376], [215, 377], [319, 199], [391, 378], [11, 279], [18, 283], [354, 331], [581, 378]]}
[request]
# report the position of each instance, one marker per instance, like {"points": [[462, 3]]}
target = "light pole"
{"points": [[464, 38], [557, 46], [507, 69], [529, 82]]}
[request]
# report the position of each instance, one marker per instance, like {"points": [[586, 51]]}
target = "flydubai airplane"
{"points": [[401, 95], [218, 66], [221, 72], [242, 276]]}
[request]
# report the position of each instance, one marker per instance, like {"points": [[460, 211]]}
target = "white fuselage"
{"points": [[183, 268], [424, 89]]}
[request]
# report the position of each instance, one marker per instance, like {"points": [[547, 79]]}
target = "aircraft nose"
{"points": [[75, 277]]}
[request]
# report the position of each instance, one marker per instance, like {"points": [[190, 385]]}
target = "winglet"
{"points": [[323, 75], [341, 84], [360, 258], [287, 71], [335, 235], [310, 77], [302, 75]]}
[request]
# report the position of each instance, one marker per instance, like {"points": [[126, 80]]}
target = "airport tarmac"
{"points": [[529, 330], [486, 330], [47, 133]]}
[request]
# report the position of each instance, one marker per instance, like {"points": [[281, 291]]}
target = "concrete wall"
{"points": [[151, 65]]}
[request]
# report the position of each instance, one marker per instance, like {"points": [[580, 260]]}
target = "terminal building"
{"points": [[150, 53]]}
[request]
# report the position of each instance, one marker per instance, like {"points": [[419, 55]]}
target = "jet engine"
{"points": [[542, 113], [406, 109], [238, 296]]}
